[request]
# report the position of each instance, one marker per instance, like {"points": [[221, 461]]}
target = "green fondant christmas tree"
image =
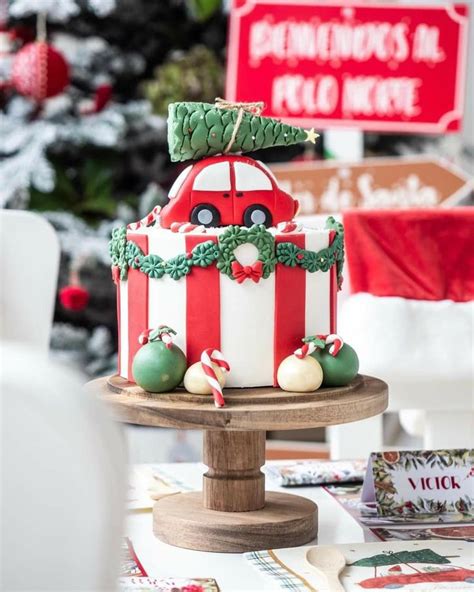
{"points": [[197, 130]]}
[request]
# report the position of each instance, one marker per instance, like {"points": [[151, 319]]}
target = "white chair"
{"points": [[63, 479], [423, 349], [29, 262]]}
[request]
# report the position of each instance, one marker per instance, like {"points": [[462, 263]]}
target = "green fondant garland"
{"points": [[117, 247], [126, 254], [153, 266]]}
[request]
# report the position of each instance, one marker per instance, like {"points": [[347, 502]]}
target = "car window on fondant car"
{"points": [[250, 178], [214, 177], [180, 179]]}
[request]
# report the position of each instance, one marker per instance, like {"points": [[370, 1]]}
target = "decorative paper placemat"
{"points": [[134, 578], [349, 497], [148, 483], [444, 532], [130, 565], [168, 585], [413, 566]]}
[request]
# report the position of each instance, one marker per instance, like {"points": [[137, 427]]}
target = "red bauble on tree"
{"points": [[39, 71], [74, 298]]}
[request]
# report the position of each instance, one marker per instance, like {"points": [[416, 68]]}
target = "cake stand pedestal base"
{"points": [[285, 521], [233, 514]]}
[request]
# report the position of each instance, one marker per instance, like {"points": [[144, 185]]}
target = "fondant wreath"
{"points": [[235, 236]]}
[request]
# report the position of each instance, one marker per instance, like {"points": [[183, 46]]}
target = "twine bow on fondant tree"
{"points": [[197, 130]]}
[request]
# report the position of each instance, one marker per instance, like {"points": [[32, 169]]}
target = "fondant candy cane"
{"points": [[290, 226], [208, 357], [305, 350], [336, 342], [161, 333], [144, 336], [147, 220], [186, 227], [167, 339]]}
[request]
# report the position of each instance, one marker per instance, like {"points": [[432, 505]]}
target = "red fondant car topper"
{"points": [[224, 190]]}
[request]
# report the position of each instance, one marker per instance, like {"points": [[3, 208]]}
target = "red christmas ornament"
{"points": [[39, 71], [74, 298], [102, 96]]}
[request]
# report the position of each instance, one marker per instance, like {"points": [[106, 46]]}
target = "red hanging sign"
{"points": [[380, 67]]}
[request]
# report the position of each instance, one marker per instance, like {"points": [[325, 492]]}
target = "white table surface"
{"points": [[231, 571]]}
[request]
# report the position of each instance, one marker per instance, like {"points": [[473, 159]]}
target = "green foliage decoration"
{"points": [[134, 255], [178, 266], [287, 253], [90, 194], [291, 255], [153, 266], [125, 253], [196, 130], [235, 236], [195, 75], [337, 247], [117, 250], [204, 254]]}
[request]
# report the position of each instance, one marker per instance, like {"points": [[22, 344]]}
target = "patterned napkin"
{"points": [[421, 566], [134, 578], [313, 472], [168, 585]]}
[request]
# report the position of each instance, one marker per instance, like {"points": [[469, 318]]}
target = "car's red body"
{"points": [[229, 185], [451, 575]]}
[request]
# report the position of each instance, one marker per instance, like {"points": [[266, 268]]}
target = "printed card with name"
{"points": [[420, 482]]}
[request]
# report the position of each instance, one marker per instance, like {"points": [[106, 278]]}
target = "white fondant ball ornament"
{"points": [[159, 365], [207, 377], [300, 373], [195, 380]]}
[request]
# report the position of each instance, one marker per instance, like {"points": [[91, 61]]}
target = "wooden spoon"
{"points": [[329, 562]]}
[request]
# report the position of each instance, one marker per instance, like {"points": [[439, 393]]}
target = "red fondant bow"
{"points": [[242, 272]]}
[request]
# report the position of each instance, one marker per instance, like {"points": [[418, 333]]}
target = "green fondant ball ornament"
{"points": [[159, 366], [338, 360]]}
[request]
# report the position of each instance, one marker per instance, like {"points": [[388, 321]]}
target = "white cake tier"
{"points": [[254, 321]]}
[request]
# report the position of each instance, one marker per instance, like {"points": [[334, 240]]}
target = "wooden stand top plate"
{"points": [[264, 408]]}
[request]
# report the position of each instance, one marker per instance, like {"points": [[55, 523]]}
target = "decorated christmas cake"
{"points": [[224, 263]]}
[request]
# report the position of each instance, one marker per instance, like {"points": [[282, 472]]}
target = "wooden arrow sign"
{"points": [[327, 187]]}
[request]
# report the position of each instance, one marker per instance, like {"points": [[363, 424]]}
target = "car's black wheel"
{"points": [[205, 215], [257, 214]]}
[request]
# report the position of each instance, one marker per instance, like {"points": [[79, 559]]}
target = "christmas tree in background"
{"points": [[84, 91], [84, 88]]}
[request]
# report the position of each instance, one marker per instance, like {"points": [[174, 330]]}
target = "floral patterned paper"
{"points": [[317, 472]]}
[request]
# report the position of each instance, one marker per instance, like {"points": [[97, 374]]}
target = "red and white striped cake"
{"points": [[252, 294]]}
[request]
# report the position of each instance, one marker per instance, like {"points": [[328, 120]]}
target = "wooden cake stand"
{"points": [[232, 513]]}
